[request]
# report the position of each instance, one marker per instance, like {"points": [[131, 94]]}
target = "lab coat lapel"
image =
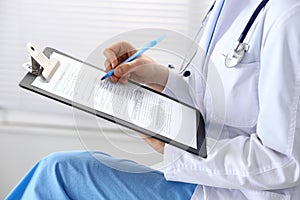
{"points": [[210, 26]]}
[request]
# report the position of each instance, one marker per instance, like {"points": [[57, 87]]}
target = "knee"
{"points": [[64, 156], [63, 159], [81, 162], [73, 159]]}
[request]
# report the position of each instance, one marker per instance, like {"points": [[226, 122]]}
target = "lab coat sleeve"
{"points": [[178, 88], [269, 158]]}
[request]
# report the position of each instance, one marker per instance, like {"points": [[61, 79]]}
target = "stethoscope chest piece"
{"points": [[235, 56]]}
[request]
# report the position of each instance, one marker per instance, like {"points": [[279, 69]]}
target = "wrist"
{"points": [[160, 78]]}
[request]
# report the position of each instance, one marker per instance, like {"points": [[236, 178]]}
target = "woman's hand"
{"points": [[143, 69], [157, 145]]}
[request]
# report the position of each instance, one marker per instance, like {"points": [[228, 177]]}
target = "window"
{"points": [[77, 27]]}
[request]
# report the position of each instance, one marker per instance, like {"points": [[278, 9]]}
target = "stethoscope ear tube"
{"points": [[186, 62]]}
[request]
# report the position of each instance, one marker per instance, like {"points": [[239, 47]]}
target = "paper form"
{"points": [[81, 83]]}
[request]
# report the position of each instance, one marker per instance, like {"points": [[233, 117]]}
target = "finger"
{"points": [[120, 47], [155, 144], [124, 79], [111, 57], [118, 50], [114, 79], [126, 68], [107, 65]]}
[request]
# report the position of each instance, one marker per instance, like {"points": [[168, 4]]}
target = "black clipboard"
{"points": [[201, 151]]}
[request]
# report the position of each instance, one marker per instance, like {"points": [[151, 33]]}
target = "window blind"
{"points": [[76, 27]]}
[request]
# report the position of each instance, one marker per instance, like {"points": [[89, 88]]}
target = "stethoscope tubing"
{"points": [[240, 40], [184, 66], [251, 20]]}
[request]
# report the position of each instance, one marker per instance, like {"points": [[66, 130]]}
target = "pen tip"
{"points": [[102, 78]]}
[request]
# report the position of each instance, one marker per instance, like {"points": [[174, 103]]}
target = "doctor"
{"points": [[257, 152]]}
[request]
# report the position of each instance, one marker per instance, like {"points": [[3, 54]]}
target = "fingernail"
{"points": [[114, 63], [120, 71]]}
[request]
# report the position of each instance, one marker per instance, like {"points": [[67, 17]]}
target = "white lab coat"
{"points": [[254, 148]]}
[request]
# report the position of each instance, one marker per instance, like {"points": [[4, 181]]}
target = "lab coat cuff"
{"points": [[178, 88], [175, 167], [171, 84], [180, 165], [170, 153]]}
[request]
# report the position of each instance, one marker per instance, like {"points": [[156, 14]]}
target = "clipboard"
{"points": [[199, 147]]}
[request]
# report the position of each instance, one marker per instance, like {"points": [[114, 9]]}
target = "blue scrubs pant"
{"points": [[86, 175]]}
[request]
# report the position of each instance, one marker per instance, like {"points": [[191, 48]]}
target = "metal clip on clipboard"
{"points": [[40, 64]]}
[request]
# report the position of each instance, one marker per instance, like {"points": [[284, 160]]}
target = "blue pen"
{"points": [[137, 54]]}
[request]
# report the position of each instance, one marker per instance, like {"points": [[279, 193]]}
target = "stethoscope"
{"points": [[235, 56]]}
